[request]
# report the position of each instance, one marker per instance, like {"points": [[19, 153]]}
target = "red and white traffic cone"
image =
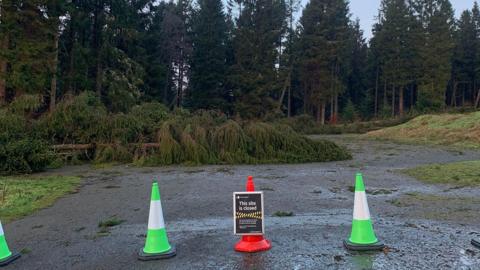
{"points": [[252, 243]]}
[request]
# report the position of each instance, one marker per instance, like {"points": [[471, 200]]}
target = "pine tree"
{"points": [[6, 25], [257, 39], [465, 56], [157, 55], [208, 64], [288, 57], [476, 83], [23, 65], [55, 10], [323, 41], [396, 42], [436, 52], [356, 81]]}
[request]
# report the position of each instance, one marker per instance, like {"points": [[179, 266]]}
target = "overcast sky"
{"points": [[367, 10]]}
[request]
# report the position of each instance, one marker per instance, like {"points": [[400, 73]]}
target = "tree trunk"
{"points": [[167, 84], [412, 96], [393, 100], [375, 108], [282, 96], [385, 102], [97, 44], [99, 79], [335, 112], [289, 102], [180, 86], [3, 71], [473, 92], [322, 117], [453, 99], [477, 101], [319, 109], [305, 100], [53, 84], [332, 105], [69, 88], [400, 101]]}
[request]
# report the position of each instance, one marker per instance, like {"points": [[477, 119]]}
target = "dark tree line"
{"points": [[249, 58]]}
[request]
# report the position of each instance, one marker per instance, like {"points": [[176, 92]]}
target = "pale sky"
{"points": [[367, 10]]}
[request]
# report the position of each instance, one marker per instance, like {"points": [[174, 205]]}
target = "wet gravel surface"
{"points": [[424, 226]]}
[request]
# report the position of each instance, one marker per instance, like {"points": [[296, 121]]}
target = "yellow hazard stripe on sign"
{"points": [[257, 215]]}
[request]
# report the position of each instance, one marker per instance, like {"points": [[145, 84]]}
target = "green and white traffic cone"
{"points": [[6, 256], [157, 245], [362, 236]]}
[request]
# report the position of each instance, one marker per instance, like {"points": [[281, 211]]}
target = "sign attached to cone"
{"points": [[156, 246], [362, 236], [248, 213], [250, 228], [6, 256]]}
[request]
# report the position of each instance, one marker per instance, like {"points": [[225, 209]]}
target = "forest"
{"points": [[68, 68]]}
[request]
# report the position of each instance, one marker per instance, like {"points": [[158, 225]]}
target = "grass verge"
{"points": [[21, 196], [438, 207], [306, 125], [466, 173], [459, 130]]}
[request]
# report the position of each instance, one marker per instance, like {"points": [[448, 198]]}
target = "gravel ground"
{"points": [[424, 226]]}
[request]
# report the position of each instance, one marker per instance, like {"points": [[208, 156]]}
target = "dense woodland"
{"points": [[207, 82], [252, 59]]}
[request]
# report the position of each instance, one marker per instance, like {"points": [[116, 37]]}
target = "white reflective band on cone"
{"points": [[155, 218], [360, 207], [1, 229]]}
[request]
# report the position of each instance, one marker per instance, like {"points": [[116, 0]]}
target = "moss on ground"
{"points": [[21, 196], [460, 130], [438, 207], [466, 173]]}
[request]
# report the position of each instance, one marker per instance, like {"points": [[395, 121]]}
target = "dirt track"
{"points": [[425, 226]]}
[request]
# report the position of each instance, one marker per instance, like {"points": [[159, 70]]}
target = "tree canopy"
{"points": [[244, 58]]}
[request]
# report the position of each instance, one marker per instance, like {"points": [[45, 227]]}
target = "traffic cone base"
{"points": [[253, 243], [476, 243], [363, 247], [9, 259], [143, 256]]}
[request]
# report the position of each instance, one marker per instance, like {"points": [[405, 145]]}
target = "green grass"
{"points": [[438, 206], [459, 130], [105, 226], [110, 222], [21, 196], [306, 125], [465, 173]]}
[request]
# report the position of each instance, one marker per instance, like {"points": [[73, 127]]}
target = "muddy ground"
{"points": [[424, 226]]}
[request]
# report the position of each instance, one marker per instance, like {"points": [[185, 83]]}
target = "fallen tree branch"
{"points": [[78, 147]]}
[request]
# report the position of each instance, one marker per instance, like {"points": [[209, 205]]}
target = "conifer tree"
{"points": [[323, 41], [464, 59], [208, 64], [257, 39], [436, 52]]}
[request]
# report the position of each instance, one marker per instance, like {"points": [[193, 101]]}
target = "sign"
{"points": [[248, 213]]}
